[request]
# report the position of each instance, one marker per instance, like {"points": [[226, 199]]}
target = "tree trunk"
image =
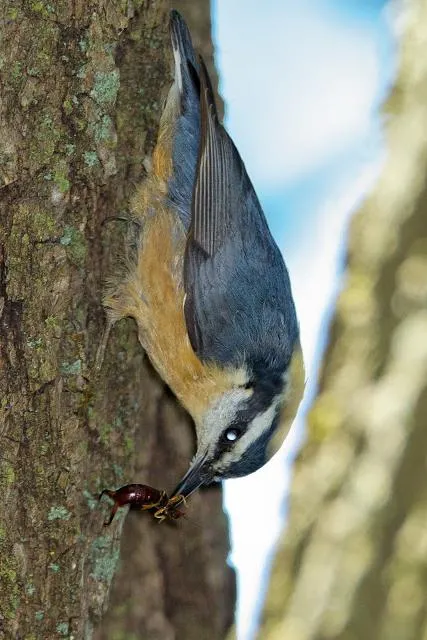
{"points": [[81, 96], [352, 563]]}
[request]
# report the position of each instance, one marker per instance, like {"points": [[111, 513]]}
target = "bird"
{"points": [[208, 286]]}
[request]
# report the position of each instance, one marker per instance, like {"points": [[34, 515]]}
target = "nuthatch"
{"points": [[209, 289]]}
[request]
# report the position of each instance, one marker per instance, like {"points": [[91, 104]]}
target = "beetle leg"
{"points": [[112, 514], [160, 514], [111, 495]]}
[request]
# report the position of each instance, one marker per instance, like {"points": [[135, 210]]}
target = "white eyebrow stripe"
{"points": [[222, 413]]}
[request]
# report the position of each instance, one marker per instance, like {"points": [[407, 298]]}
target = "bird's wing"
{"points": [[236, 283]]}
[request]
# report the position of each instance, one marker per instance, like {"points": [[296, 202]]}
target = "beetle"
{"points": [[145, 498]]}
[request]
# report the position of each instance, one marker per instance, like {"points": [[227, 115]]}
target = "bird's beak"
{"points": [[194, 478]]}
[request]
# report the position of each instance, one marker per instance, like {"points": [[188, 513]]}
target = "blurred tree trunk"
{"points": [[81, 94], [352, 563]]}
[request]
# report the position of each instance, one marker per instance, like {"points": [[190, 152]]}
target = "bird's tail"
{"points": [[186, 66]]}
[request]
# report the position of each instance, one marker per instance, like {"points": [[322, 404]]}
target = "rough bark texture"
{"points": [[81, 93], [352, 563]]}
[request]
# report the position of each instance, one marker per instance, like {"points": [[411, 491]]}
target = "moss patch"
{"points": [[9, 588], [75, 242]]}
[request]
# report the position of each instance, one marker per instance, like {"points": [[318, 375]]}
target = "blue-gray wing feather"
{"points": [[238, 307]]}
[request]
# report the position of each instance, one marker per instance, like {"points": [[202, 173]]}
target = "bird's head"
{"points": [[245, 425]]}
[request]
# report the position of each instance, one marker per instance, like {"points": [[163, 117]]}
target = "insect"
{"points": [[208, 287], [143, 497]]}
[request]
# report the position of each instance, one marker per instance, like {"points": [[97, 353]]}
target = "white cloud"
{"points": [[301, 87]]}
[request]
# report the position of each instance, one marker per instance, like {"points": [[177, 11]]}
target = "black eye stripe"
{"points": [[256, 404], [254, 456]]}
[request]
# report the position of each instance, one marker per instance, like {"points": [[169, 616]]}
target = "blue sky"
{"points": [[302, 82]]}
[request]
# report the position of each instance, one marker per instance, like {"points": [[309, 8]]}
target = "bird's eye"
{"points": [[232, 435]]}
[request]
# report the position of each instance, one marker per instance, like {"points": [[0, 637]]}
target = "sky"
{"points": [[302, 82]]}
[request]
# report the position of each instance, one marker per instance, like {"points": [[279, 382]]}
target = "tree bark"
{"points": [[352, 562], [81, 95]]}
